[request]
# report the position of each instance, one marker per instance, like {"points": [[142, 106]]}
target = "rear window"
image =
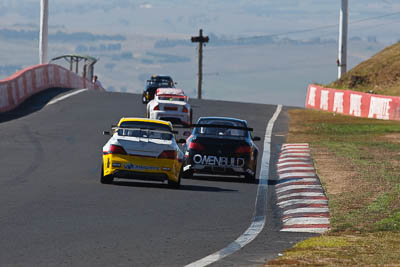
{"points": [[221, 131], [152, 134], [161, 78], [145, 129], [160, 84], [145, 125]]}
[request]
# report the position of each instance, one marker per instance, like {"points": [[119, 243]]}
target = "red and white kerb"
{"points": [[299, 192]]}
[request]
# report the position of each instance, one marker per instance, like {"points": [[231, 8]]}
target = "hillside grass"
{"points": [[380, 74], [358, 162]]}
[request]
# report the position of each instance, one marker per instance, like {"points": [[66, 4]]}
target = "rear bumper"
{"points": [[174, 117], [141, 168], [217, 170], [135, 175]]}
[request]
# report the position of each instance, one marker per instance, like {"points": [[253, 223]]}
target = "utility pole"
{"points": [[343, 27], [201, 40], [44, 31]]}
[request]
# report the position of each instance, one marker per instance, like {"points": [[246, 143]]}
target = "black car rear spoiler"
{"points": [[222, 126]]}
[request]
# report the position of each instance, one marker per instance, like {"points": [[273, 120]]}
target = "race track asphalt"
{"points": [[55, 212]]}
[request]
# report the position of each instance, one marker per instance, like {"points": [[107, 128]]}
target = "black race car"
{"points": [[155, 82], [220, 145]]}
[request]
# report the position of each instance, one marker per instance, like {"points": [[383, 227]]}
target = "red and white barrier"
{"points": [[27, 82], [353, 103]]}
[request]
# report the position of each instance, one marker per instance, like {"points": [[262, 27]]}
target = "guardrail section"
{"points": [[27, 82], [353, 103]]}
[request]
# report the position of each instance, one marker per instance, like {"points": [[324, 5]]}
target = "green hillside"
{"points": [[379, 74]]}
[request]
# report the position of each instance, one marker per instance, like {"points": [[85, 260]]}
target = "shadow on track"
{"points": [[229, 180], [222, 179], [32, 104], [184, 187], [272, 182]]}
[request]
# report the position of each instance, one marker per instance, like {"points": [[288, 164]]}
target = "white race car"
{"points": [[170, 104], [142, 149]]}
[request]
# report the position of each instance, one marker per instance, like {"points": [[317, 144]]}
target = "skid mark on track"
{"points": [[300, 194]]}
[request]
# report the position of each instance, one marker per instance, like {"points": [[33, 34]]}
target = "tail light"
{"points": [[114, 149], [185, 110], [168, 154], [196, 146], [243, 150], [157, 107]]}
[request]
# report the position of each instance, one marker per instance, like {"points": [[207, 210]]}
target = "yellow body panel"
{"points": [[170, 167], [146, 120], [142, 164]]}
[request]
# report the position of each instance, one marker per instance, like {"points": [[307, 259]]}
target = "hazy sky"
{"points": [[229, 17], [144, 22]]}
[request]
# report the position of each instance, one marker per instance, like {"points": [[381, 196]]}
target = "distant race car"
{"points": [[222, 146], [142, 149], [155, 82], [170, 104]]}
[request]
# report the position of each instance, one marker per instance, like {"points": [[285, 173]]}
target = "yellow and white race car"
{"points": [[142, 149]]}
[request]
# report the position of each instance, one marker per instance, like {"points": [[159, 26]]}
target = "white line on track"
{"points": [[258, 220], [302, 194], [297, 174], [295, 149], [305, 230], [299, 159], [309, 220], [300, 149], [298, 187], [305, 210], [302, 180], [296, 154], [287, 203], [296, 169], [309, 163], [296, 145], [65, 96]]}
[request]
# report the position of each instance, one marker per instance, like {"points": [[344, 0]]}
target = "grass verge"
{"points": [[358, 162]]}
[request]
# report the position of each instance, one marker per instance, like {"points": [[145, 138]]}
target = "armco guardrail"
{"points": [[353, 103], [27, 82]]}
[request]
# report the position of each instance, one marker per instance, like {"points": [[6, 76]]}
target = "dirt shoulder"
{"points": [[357, 161]]}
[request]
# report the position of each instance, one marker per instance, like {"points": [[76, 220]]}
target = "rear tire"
{"points": [[105, 179], [249, 177], [188, 174], [191, 117], [174, 184]]}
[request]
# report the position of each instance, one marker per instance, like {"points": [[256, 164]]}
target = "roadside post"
{"points": [[201, 40], [343, 35], [44, 31]]}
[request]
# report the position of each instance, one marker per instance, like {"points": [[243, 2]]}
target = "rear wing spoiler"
{"points": [[222, 126], [116, 128]]}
